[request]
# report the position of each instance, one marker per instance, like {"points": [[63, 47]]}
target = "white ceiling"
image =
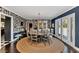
{"points": [[46, 12]]}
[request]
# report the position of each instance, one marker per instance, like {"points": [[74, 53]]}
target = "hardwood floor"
{"points": [[10, 48]]}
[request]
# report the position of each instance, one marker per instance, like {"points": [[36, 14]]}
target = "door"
{"points": [[68, 29], [65, 29], [59, 28], [72, 29]]}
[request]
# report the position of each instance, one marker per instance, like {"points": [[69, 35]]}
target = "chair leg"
{"points": [[38, 40], [44, 42], [31, 42], [49, 42]]}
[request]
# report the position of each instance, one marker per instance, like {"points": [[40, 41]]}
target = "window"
{"points": [[59, 27], [65, 28]]}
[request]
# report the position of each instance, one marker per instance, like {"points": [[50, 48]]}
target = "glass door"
{"points": [[68, 29], [72, 29], [65, 29], [59, 28]]}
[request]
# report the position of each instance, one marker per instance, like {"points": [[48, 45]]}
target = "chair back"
{"points": [[33, 35]]}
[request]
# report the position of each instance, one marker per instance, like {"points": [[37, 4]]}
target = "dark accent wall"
{"points": [[53, 22], [7, 29], [76, 11]]}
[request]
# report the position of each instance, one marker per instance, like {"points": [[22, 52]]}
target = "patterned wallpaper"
{"points": [[16, 20]]}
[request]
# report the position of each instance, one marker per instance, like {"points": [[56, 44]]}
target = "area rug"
{"points": [[24, 46]]}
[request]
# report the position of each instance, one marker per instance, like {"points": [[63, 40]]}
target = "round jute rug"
{"points": [[24, 46]]}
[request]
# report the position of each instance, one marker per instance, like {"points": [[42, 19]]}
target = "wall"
{"points": [[16, 19], [7, 29], [76, 11]]}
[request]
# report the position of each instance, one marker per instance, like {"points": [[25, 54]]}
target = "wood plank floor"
{"points": [[10, 48]]}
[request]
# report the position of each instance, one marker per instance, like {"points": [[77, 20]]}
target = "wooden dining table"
{"points": [[39, 35]]}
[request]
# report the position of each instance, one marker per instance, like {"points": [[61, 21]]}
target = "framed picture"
{"points": [[40, 24]]}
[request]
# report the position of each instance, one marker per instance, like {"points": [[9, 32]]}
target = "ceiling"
{"points": [[36, 12]]}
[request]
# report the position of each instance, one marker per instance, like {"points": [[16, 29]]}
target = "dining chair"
{"points": [[33, 36], [46, 38]]}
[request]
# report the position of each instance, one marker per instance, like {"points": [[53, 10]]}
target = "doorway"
{"points": [[6, 29], [30, 25]]}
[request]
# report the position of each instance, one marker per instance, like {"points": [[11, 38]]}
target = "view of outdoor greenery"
{"points": [[64, 23]]}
